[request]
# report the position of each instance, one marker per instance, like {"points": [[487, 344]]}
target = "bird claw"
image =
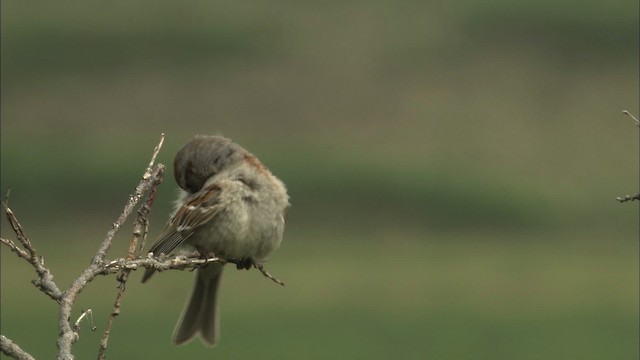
{"points": [[246, 263]]}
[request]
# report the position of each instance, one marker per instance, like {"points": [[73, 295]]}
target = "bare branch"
{"points": [[631, 116], [133, 200], [17, 228], [637, 195], [45, 280], [6, 197], [21, 253], [12, 349], [173, 263], [266, 273], [140, 229], [156, 151], [67, 335], [629, 198], [143, 213]]}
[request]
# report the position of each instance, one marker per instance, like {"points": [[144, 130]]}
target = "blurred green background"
{"points": [[452, 166]]}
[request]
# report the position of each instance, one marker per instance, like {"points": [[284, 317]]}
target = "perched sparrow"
{"points": [[230, 205]]}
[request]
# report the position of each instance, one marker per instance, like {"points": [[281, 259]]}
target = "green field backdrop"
{"points": [[453, 169]]}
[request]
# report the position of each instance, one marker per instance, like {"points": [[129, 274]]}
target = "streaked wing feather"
{"points": [[194, 213], [168, 241]]}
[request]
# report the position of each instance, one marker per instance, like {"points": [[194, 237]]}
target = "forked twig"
{"points": [[45, 280], [67, 335], [139, 231]]}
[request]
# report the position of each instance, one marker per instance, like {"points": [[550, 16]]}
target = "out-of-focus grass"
{"points": [[358, 334], [455, 296]]}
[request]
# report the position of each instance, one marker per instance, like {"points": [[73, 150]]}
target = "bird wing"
{"points": [[199, 209]]}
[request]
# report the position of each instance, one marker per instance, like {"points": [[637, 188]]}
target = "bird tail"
{"points": [[201, 312]]}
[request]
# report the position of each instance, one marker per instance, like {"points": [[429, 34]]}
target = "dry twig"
{"points": [[629, 198], [139, 231], [45, 280], [631, 116], [267, 274], [67, 335], [637, 195], [12, 349]]}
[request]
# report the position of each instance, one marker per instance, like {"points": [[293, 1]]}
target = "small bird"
{"points": [[229, 206]]}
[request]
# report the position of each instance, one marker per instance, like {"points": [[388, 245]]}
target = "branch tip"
{"points": [[267, 274], [631, 116]]}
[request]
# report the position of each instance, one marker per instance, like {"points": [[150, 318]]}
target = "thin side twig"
{"points": [[143, 215], [631, 116], [140, 230], [637, 195], [21, 253], [45, 281], [12, 349], [629, 198], [133, 200], [267, 274]]}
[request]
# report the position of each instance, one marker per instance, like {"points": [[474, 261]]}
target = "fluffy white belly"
{"points": [[250, 231]]}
